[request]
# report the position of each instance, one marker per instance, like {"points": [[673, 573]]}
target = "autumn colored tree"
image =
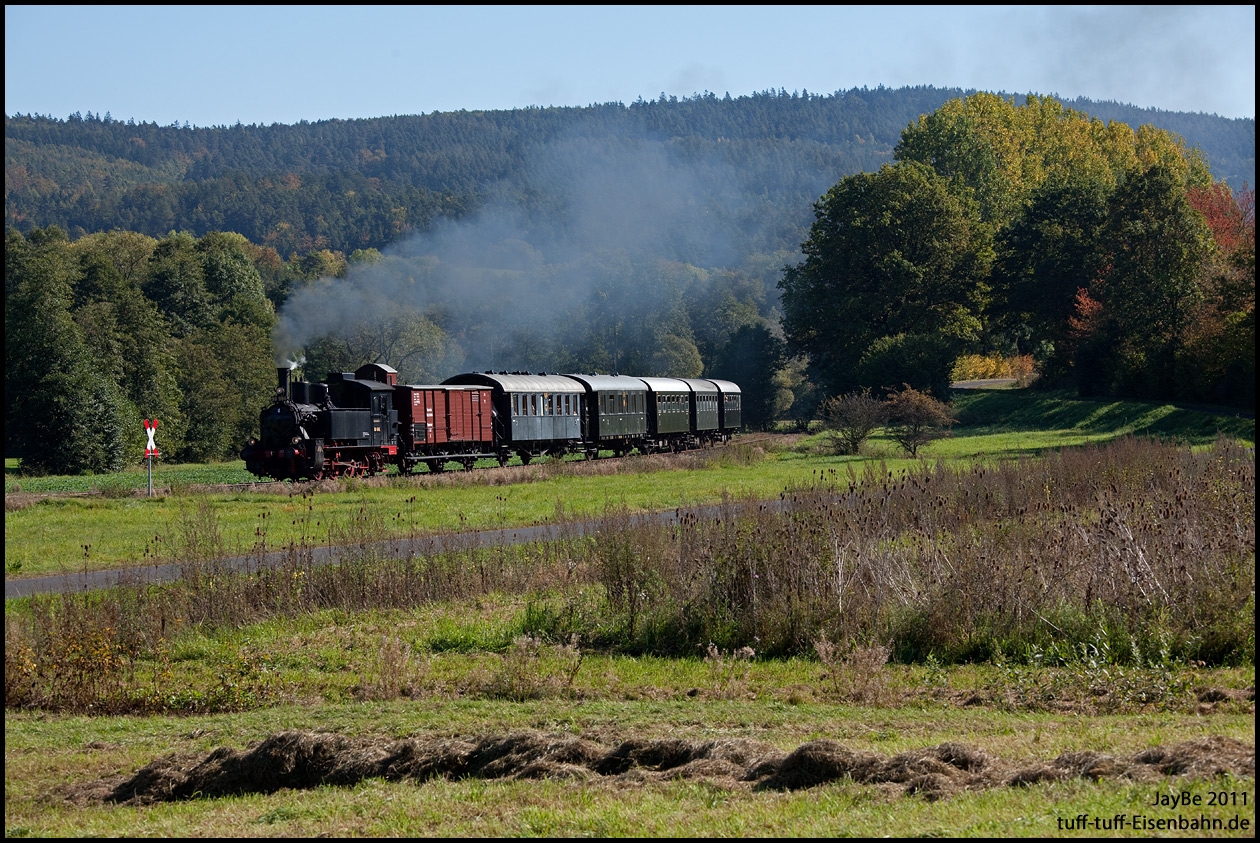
{"points": [[1220, 339], [1000, 153]]}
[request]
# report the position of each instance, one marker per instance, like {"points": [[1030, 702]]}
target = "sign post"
{"points": [[150, 450]]}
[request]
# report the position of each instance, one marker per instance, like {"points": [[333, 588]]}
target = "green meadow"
{"points": [[60, 524], [1042, 625]]}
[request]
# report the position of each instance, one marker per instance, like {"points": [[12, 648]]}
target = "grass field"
{"points": [[58, 524], [515, 694]]}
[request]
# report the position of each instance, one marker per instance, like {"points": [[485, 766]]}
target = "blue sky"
{"points": [[216, 65]]}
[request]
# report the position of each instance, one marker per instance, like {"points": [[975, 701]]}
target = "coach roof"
{"points": [[666, 385], [518, 382], [701, 387], [611, 383]]}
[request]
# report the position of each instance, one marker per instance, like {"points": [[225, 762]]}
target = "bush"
{"points": [[850, 419], [971, 367], [917, 419]]}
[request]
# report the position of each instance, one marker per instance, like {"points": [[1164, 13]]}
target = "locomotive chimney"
{"points": [[282, 380]]}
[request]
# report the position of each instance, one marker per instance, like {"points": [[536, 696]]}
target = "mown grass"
{"points": [[42, 755], [324, 663]]}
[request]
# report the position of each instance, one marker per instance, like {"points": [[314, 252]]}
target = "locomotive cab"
{"points": [[351, 430]]}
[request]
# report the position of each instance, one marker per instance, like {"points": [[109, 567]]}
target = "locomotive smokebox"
{"points": [[282, 380]]}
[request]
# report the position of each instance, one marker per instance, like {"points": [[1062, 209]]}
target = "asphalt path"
{"points": [[404, 548], [986, 383]]}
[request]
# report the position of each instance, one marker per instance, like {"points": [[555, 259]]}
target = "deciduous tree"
{"points": [[892, 252]]}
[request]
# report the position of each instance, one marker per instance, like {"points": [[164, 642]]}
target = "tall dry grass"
{"points": [[1139, 541]]}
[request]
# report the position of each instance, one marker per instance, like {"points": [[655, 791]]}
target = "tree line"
{"points": [[1109, 254], [357, 184], [115, 327]]}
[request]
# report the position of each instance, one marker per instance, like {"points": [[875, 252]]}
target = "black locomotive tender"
{"points": [[361, 423]]}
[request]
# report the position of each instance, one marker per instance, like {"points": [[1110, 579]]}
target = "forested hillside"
{"points": [[162, 271], [352, 184]]}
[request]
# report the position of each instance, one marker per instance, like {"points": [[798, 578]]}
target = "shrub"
{"points": [[850, 419], [985, 366], [917, 419]]}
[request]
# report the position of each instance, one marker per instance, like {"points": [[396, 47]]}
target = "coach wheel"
{"points": [[467, 464], [525, 456], [437, 466], [503, 460]]}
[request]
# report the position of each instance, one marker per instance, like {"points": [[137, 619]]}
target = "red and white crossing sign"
{"points": [[150, 427]]}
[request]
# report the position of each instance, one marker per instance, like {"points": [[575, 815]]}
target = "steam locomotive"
{"points": [[361, 423]]}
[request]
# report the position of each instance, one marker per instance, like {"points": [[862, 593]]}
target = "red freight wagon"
{"points": [[437, 424]]}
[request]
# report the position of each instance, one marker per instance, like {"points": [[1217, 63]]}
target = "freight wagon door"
{"points": [[428, 416], [437, 415], [483, 414], [471, 415]]}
